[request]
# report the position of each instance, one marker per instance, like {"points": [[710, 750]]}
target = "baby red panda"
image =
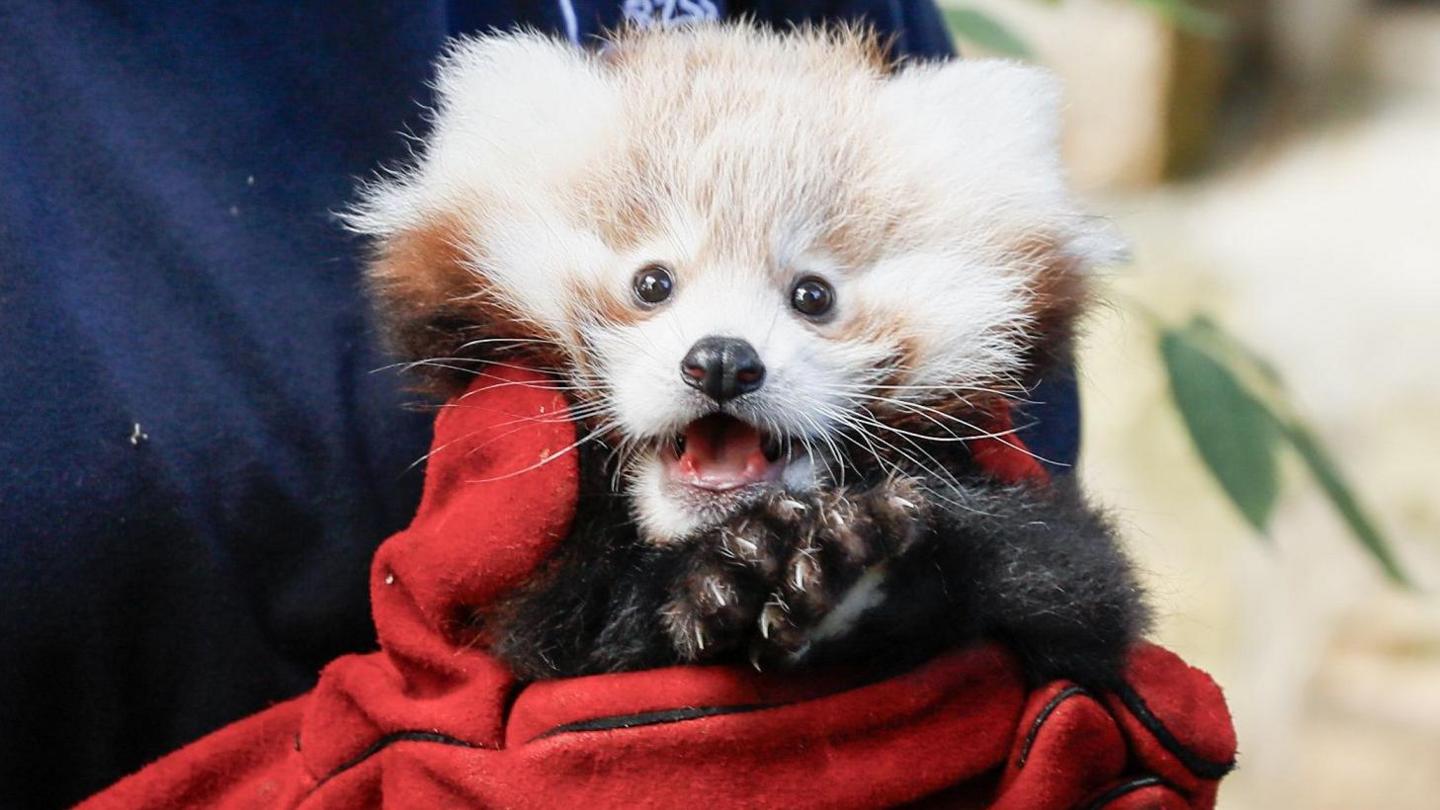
{"points": [[783, 281]]}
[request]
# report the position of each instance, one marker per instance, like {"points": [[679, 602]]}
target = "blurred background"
{"points": [[1277, 165]]}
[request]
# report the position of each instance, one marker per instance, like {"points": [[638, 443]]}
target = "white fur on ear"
{"points": [[980, 118], [1098, 243], [527, 98], [985, 134], [516, 116]]}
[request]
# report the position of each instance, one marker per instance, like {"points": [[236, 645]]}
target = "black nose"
{"points": [[722, 367]]}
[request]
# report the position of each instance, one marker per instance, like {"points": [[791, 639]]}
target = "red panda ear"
{"points": [[516, 118], [989, 117], [992, 127], [514, 115]]}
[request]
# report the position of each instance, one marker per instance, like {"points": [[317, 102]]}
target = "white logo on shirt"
{"points": [[666, 13]]}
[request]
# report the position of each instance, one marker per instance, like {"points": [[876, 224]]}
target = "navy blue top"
{"points": [[196, 455]]}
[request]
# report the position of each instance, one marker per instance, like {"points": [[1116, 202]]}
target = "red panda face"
{"points": [[748, 257]]}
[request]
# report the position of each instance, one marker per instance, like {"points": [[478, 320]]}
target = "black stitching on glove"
{"points": [[1054, 703], [1193, 762]]}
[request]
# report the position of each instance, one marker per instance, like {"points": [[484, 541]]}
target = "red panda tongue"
{"points": [[722, 452]]}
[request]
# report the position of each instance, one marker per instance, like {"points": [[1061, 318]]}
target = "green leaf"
{"points": [[1234, 433], [1233, 347], [1327, 474], [1190, 18], [985, 31]]}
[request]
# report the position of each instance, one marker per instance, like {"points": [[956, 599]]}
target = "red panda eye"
{"points": [[812, 297], [653, 283]]}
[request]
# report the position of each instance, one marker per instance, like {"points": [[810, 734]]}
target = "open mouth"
{"points": [[720, 453]]}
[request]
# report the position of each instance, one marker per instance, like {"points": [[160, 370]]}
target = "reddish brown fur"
{"points": [[1059, 294], [431, 304], [622, 221], [889, 329], [863, 229]]}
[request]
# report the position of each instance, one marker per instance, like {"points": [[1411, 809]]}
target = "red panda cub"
{"points": [[784, 281]]}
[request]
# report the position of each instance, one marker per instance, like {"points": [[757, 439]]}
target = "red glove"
{"points": [[430, 722], [1164, 740]]}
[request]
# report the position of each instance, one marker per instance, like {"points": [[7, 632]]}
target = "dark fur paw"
{"points": [[791, 571]]}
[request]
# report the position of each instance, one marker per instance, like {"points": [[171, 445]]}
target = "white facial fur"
{"points": [[744, 161]]}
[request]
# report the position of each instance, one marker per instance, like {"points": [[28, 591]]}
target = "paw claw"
{"points": [[792, 508], [771, 616], [804, 570], [719, 593], [740, 547]]}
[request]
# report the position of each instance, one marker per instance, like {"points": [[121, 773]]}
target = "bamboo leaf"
{"points": [[985, 31], [1333, 484], [1234, 347], [1233, 432], [1190, 18], [1200, 351]]}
